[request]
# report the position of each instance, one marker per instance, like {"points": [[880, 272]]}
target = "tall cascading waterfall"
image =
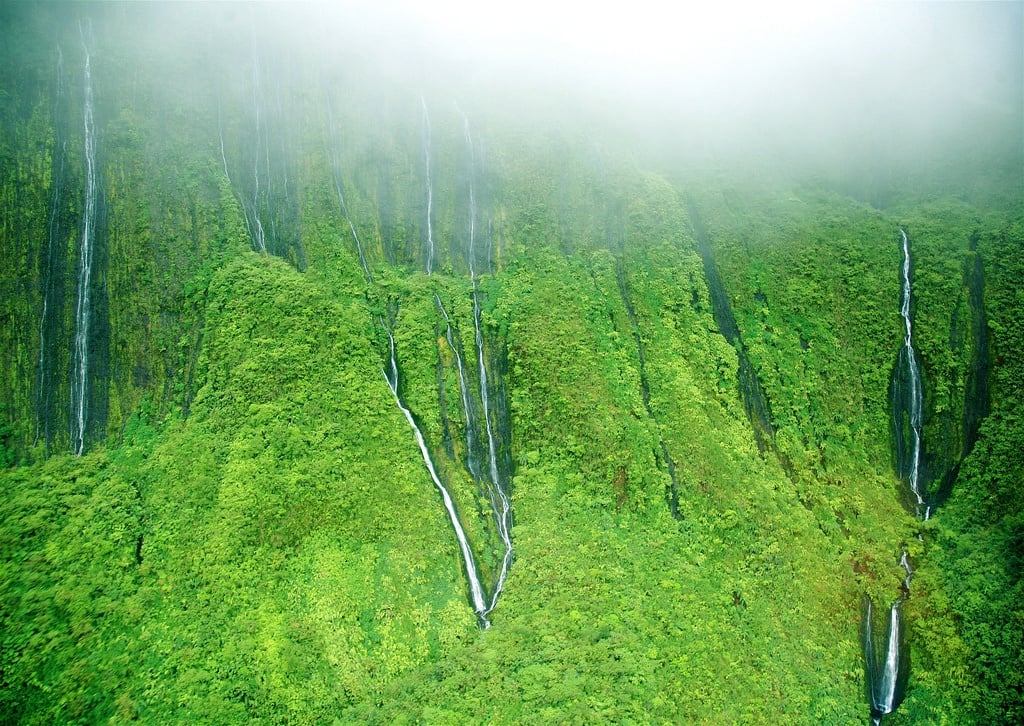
{"points": [[260, 156], [908, 397], [482, 603], [887, 676], [476, 592], [498, 489], [86, 250], [52, 293], [427, 143], [259, 239], [250, 207], [887, 659]]}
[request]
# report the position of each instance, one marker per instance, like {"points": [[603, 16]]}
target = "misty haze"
{"points": [[536, 362]]}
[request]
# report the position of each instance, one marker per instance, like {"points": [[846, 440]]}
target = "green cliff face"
{"points": [[699, 506]]}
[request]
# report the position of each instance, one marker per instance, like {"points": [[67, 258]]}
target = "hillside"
{"points": [[338, 391]]}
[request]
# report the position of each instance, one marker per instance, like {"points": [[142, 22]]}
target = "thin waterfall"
{"points": [[80, 352], [227, 174], [336, 173], [259, 241], [475, 588], [263, 142], [887, 692], [260, 180], [223, 156], [481, 606], [911, 401], [472, 199], [430, 187], [503, 513], [503, 510], [887, 679]]}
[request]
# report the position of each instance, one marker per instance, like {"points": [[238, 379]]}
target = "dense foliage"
{"points": [[252, 535]]}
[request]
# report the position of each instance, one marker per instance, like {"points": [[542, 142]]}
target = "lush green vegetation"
{"points": [[252, 535]]}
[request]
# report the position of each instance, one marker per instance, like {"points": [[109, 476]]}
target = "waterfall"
{"points": [[497, 490], [887, 680], [80, 351], [227, 175], [882, 682], [909, 402], [472, 199], [259, 241], [223, 156], [503, 514], [253, 227], [336, 173], [482, 606], [887, 692], [501, 507], [475, 588], [430, 188]]}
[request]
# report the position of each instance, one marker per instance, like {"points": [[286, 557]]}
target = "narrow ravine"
{"points": [[755, 402], [259, 238], [908, 397], [887, 659], [86, 250], [52, 268], [336, 175], [497, 489], [476, 592], [257, 156], [250, 206], [661, 454], [489, 479], [472, 460]]}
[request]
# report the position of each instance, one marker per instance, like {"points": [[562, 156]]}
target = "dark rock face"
{"points": [[949, 427], [754, 399], [957, 431]]}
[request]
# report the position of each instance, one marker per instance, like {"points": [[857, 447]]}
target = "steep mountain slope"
{"points": [[293, 247]]}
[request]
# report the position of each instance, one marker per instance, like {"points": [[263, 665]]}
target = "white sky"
{"points": [[909, 71], [638, 33]]}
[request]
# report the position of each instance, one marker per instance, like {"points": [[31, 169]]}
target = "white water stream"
{"points": [[500, 502], [884, 692], [503, 510], [336, 172], [430, 188], [908, 358], [80, 348], [259, 240], [885, 684], [475, 588]]}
